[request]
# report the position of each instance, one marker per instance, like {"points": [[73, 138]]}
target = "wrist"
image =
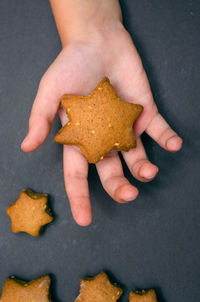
{"points": [[92, 34], [82, 18]]}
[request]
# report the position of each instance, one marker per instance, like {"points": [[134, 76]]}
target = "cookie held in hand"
{"points": [[15, 290], [99, 122], [98, 289], [29, 213], [143, 296]]}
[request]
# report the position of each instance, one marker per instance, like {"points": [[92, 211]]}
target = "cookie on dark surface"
{"points": [[29, 213], [143, 296], [99, 122], [15, 290], [98, 289]]}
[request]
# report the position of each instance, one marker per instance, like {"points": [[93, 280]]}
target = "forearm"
{"points": [[78, 17]]}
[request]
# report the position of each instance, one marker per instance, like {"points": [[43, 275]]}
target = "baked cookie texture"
{"points": [[143, 296], [15, 290], [99, 122], [29, 213], [98, 289]]}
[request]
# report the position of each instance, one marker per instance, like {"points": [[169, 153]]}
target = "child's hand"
{"points": [[82, 63]]}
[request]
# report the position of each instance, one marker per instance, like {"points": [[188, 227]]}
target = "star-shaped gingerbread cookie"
{"points": [[143, 296], [29, 213], [98, 289], [15, 290], [99, 122]]}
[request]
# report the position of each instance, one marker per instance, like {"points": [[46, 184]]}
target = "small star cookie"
{"points": [[99, 122], [29, 213], [98, 289], [15, 290], [143, 296]]}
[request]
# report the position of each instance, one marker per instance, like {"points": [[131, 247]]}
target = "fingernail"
{"points": [[24, 141], [150, 177], [174, 143], [151, 174], [126, 200], [130, 197], [27, 133]]}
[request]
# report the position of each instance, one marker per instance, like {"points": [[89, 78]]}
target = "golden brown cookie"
{"points": [[29, 213], [99, 122], [15, 290], [98, 289], [143, 296]]}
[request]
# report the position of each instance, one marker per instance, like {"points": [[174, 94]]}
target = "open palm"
{"points": [[77, 70]]}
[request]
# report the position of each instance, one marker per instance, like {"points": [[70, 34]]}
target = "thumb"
{"points": [[43, 112]]}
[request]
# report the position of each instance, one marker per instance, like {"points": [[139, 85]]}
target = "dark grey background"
{"points": [[152, 242]]}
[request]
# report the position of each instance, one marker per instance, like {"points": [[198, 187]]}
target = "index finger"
{"points": [[43, 112]]}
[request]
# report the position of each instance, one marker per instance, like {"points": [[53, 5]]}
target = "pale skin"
{"points": [[95, 44]]}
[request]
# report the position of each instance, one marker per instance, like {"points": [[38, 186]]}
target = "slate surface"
{"points": [[152, 242]]}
